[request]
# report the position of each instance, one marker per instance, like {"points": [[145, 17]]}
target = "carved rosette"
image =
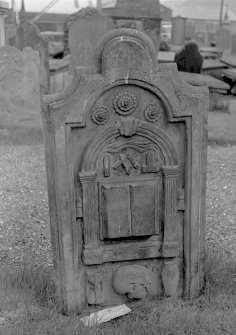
{"points": [[100, 115], [153, 113], [125, 102]]}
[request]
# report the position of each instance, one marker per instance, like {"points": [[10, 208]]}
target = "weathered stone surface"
{"points": [[126, 162], [133, 280], [223, 39], [28, 35], [85, 29], [19, 88], [233, 44], [142, 15]]}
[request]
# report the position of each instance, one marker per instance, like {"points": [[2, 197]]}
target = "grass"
{"points": [[221, 125], [28, 307]]}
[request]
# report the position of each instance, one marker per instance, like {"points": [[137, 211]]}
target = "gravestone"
{"points": [[223, 39], [19, 91], [189, 30], [233, 43], [126, 165], [28, 35], [178, 30], [85, 28], [143, 15]]}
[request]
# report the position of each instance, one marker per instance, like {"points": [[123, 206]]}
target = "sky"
{"points": [[62, 5]]}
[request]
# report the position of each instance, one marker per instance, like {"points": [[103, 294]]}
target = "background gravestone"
{"points": [[143, 15], [233, 44], [223, 39], [28, 34], [85, 29], [126, 163], [19, 93]]}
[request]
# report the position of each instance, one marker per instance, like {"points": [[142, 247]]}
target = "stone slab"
{"points": [[28, 35], [19, 88], [228, 58], [204, 80], [126, 164], [85, 29]]}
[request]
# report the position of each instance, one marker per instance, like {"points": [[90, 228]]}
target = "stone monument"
{"points": [[233, 44], [223, 39], [19, 93], [126, 166], [28, 35], [143, 15], [84, 29]]}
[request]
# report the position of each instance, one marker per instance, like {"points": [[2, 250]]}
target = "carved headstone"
{"points": [[143, 15], [85, 28], [126, 162], [28, 35]]}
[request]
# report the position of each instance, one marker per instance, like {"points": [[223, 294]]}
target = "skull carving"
{"points": [[134, 280]]}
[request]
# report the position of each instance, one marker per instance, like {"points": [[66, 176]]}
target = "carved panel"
{"points": [[115, 213], [133, 280], [94, 288], [145, 207], [127, 161], [123, 251], [130, 209]]}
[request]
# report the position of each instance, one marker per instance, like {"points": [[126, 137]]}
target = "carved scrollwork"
{"points": [[100, 115], [95, 291], [153, 113], [125, 102]]}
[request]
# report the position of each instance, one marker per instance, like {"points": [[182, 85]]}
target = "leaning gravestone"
{"points": [[19, 93], [223, 39], [126, 164], [86, 27], [28, 35], [233, 43]]}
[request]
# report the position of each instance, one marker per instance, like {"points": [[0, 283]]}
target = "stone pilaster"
{"points": [[170, 242]]}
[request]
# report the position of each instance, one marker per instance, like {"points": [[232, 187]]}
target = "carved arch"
{"points": [[148, 131]]}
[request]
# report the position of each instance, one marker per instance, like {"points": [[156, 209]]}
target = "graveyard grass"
{"points": [[28, 296]]}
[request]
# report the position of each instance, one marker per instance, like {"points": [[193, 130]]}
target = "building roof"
{"points": [[203, 11], [133, 8], [109, 3], [140, 7]]}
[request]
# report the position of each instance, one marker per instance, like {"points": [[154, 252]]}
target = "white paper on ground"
{"points": [[105, 315]]}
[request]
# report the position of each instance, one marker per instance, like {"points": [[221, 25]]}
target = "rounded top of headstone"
{"points": [[126, 53], [84, 13]]}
